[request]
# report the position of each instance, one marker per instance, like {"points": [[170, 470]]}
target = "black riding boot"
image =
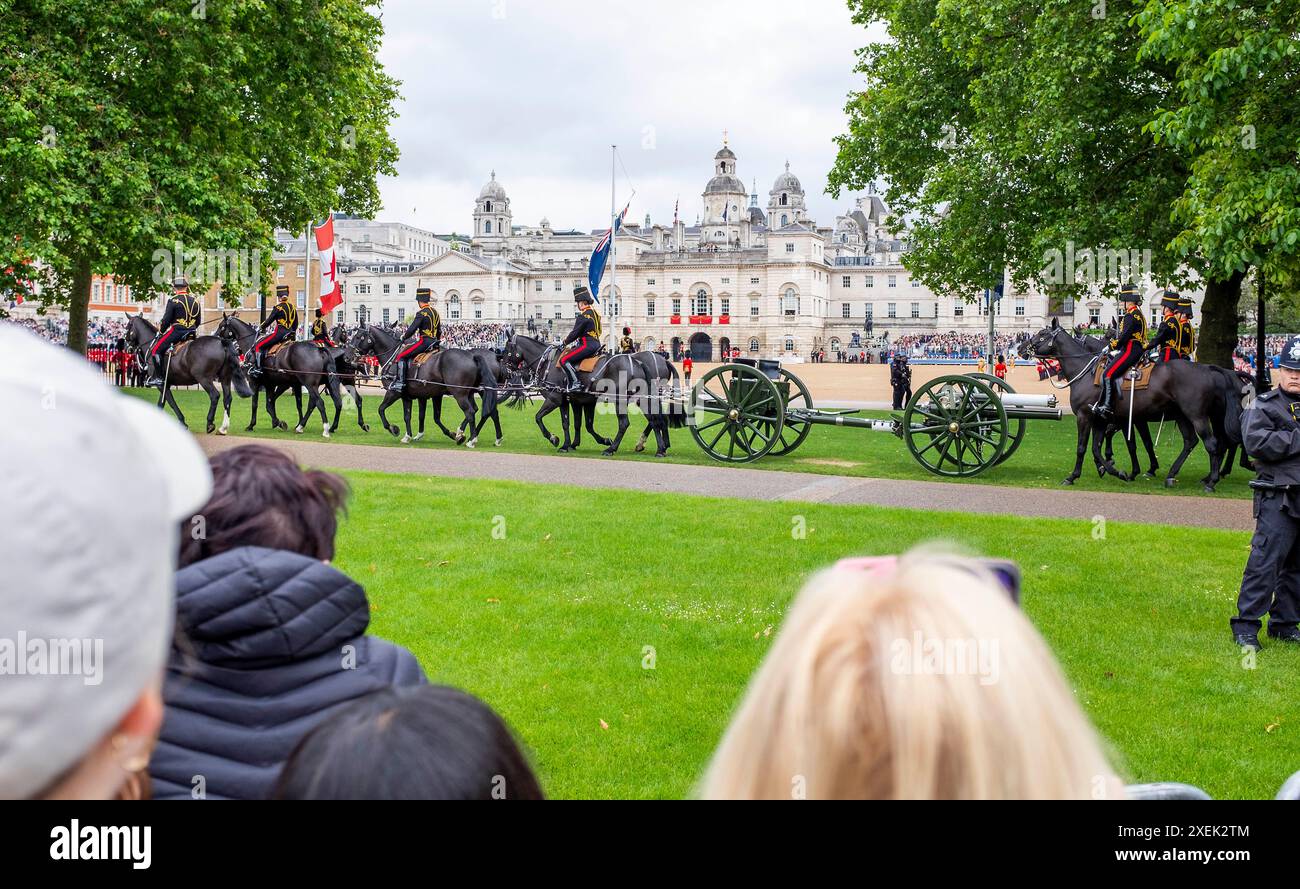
{"points": [[399, 384], [255, 371], [155, 372], [1102, 410], [575, 385]]}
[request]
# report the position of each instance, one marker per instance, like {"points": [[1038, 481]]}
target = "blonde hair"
{"points": [[846, 706]]}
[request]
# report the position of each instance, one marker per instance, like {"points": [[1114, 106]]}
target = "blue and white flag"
{"points": [[725, 210], [600, 256]]}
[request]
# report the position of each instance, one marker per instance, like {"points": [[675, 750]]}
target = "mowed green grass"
{"points": [[1045, 457], [550, 603]]}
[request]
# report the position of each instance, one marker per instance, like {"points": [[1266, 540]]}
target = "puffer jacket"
{"points": [[262, 657]]}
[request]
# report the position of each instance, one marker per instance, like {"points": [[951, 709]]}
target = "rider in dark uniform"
{"points": [[180, 320], [320, 332], [1270, 431], [1127, 349], [283, 322], [426, 326], [900, 377], [1166, 344], [625, 344], [1187, 344], [585, 336]]}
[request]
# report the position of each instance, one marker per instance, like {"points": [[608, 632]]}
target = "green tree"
{"points": [[1235, 111], [1014, 134], [130, 127]]}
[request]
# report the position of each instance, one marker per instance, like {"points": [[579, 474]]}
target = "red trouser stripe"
{"points": [[1128, 350], [158, 344], [266, 339], [577, 347], [412, 348]]}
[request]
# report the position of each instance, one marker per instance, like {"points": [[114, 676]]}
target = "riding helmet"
{"points": [[1289, 357], [422, 294], [282, 291], [582, 295]]}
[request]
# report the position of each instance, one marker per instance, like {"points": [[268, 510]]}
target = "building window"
{"points": [[279, 272], [487, 227], [94, 290], [789, 344], [401, 288], [649, 308], [487, 206], [677, 305], [753, 280], [1094, 317], [1020, 308], [386, 286], [893, 280], [539, 287], [789, 248], [916, 310], [785, 200], [453, 306], [558, 285], [791, 305], [958, 310], [871, 280], [401, 313], [650, 281], [891, 310], [338, 317], [558, 313], [726, 280], [702, 303], [302, 271], [386, 319], [844, 281], [677, 280], [724, 306], [478, 313], [388, 268], [784, 219], [915, 283], [753, 344], [753, 308], [845, 311]]}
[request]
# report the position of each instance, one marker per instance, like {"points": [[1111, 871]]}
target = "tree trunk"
{"points": [[79, 305], [1218, 334]]}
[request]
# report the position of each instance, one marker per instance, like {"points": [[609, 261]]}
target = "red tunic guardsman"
{"points": [[1126, 350], [585, 337], [283, 322], [180, 320], [426, 326]]}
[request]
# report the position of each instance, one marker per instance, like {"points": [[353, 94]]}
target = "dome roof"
{"points": [[787, 181], [725, 152], [725, 184], [493, 189]]}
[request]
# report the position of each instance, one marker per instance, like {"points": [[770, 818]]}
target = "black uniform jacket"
{"points": [[182, 309], [1169, 333], [285, 315], [426, 323], [1133, 326], [1270, 431], [586, 324]]}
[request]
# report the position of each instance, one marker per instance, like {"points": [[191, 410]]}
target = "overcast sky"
{"points": [[539, 89]]}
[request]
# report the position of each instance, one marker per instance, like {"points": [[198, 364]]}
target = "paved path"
{"points": [[762, 484]]}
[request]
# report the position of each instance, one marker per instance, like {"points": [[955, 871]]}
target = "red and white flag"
{"points": [[331, 293]]}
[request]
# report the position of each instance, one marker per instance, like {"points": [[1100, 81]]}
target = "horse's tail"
{"points": [[236, 367], [676, 411], [1230, 383], [487, 384]]}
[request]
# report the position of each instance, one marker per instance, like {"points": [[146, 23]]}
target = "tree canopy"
{"points": [[130, 128]]}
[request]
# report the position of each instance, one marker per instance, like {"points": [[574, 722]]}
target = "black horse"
{"points": [[456, 372], [205, 361], [644, 379], [300, 364], [1175, 386], [506, 383]]}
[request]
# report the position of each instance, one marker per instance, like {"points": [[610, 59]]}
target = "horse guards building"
{"points": [[765, 279]]}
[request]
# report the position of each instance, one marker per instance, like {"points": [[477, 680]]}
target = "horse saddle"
{"points": [[1136, 378], [421, 358], [278, 348], [181, 346]]}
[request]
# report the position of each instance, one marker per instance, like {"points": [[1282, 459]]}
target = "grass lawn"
{"points": [[1044, 458], [552, 621]]}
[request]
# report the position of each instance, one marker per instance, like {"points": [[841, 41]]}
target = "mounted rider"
{"points": [[426, 326], [1187, 344], [1166, 344], [1126, 349], [625, 344], [320, 333], [283, 322], [585, 336], [180, 321]]}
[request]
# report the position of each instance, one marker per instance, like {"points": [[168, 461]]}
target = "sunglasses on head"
{"points": [[1006, 571]]}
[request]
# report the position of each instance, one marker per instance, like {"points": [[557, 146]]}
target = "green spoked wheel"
{"points": [[793, 431], [1017, 425], [736, 414], [956, 426]]}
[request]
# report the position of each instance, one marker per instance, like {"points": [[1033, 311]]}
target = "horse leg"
{"points": [[645, 434], [437, 419], [272, 395], [1081, 447], [620, 408], [225, 407], [1205, 430], [1189, 442], [171, 399], [297, 398], [424, 408], [389, 397], [547, 406], [591, 426], [326, 429], [1145, 432], [466, 403], [213, 397], [252, 421], [406, 415], [356, 397]]}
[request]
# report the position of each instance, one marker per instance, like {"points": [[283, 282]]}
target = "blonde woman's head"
{"points": [[917, 681]]}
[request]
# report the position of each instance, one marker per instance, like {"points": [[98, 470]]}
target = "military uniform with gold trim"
{"points": [[426, 327], [585, 336], [1126, 350], [283, 322], [180, 320]]}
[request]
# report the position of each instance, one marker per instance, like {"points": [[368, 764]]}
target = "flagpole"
{"points": [[306, 293], [613, 236]]}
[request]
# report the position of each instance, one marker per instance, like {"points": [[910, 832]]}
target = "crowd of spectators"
{"points": [[955, 345]]}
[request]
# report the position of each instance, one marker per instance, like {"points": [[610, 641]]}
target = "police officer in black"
{"points": [[426, 327], [900, 377], [1271, 583], [1127, 348], [1166, 344], [283, 322], [180, 320], [585, 337]]}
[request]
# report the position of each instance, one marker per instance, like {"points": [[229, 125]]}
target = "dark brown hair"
{"points": [[261, 497]]}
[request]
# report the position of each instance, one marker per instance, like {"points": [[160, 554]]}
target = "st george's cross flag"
{"points": [[331, 293], [600, 256]]}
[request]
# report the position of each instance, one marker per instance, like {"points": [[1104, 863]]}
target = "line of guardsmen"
{"points": [[1174, 338]]}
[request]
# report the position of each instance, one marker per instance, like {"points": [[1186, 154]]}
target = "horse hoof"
{"points": [[406, 439], [565, 450], [1148, 475], [639, 448], [212, 427], [1067, 482], [223, 431], [1169, 482], [283, 425], [471, 443], [1209, 489], [297, 430], [418, 437], [555, 441], [325, 434], [392, 430], [365, 427], [608, 452], [499, 440], [661, 453]]}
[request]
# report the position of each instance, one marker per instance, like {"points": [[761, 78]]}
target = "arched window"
{"points": [[453, 306], [487, 206], [790, 304], [784, 219], [785, 199], [702, 301], [753, 344], [487, 227], [789, 343]]}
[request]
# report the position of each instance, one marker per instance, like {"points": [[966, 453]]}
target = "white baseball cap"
{"points": [[93, 488]]}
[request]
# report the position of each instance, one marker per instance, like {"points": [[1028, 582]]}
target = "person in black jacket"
{"points": [[900, 377], [283, 322], [1165, 345], [585, 336], [270, 639], [1126, 350], [426, 327], [320, 331], [1270, 431], [180, 320]]}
